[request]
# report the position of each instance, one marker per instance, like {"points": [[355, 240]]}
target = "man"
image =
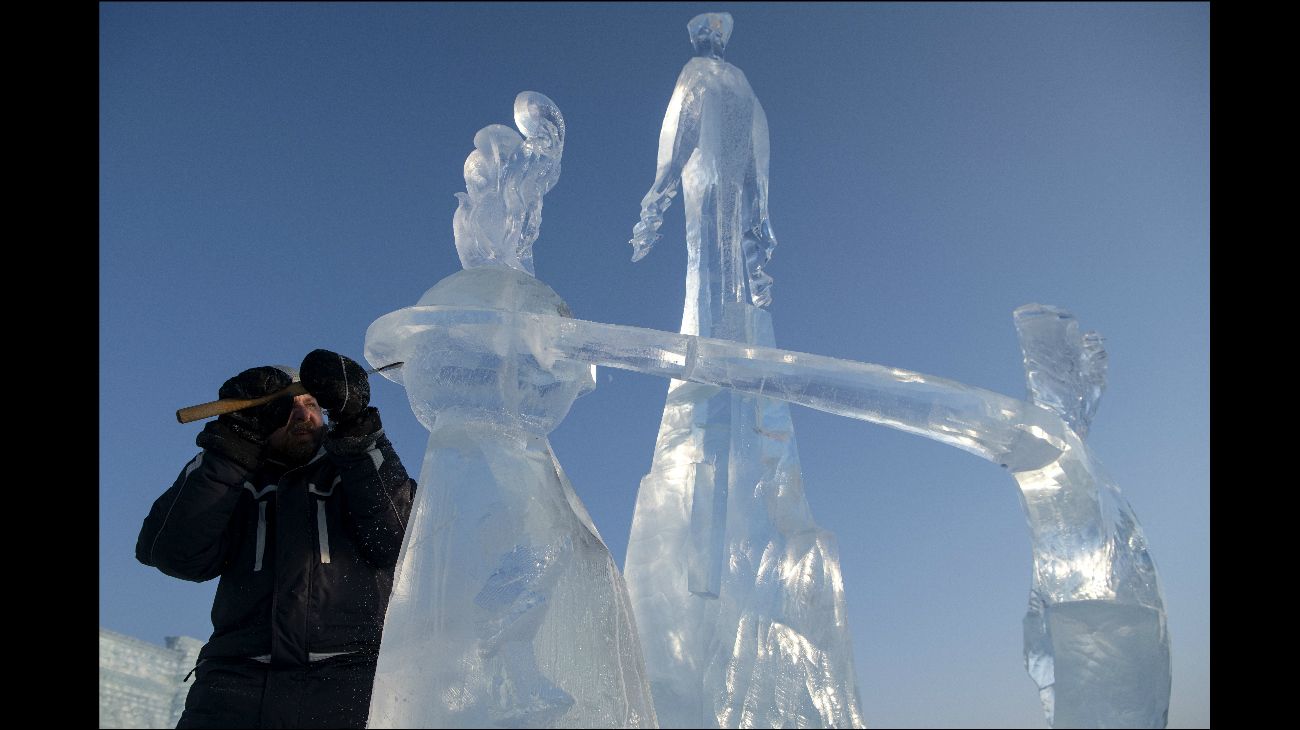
{"points": [[303, 524]]}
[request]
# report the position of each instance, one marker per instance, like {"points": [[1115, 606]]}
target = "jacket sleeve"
{"points": [[187, 533], [378, 494]]}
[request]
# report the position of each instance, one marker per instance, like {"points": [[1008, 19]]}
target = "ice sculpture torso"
{"points": [[737, 591], [507, 609]]}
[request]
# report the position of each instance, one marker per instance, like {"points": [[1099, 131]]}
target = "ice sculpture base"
{"points": [[1099, 663], [737, 590], [508, 610]]}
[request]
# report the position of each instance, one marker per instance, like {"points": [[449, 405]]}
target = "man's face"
{"points": [[298, 439]]}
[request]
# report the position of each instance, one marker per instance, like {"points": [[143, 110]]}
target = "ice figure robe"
{"points": [[507, 609], [723, 512]]}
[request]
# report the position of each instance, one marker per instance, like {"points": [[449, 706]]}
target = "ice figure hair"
{"points": [[500, 212]]}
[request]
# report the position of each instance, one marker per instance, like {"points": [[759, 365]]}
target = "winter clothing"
{"points": [[256, 424], [235, 693], [305, 555], [338, 382]]}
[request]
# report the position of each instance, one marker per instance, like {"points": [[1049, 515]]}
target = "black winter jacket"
{"points": [[305, 554]]}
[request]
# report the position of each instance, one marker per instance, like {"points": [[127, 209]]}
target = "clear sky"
{"points": [[274, 177]]}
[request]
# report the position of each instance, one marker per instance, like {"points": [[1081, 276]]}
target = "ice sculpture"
{"points": [[1095, 635], [1095, 641], [737, 590], [714, 145], [507, 609]]}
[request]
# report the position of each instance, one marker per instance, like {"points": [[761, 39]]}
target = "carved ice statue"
{"points": [[714, 145], [737, 591], [1096, 643], [1095, 635], [507, 609]]}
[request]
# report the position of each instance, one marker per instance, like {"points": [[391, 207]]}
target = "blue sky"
{"points": [[275, 177]]}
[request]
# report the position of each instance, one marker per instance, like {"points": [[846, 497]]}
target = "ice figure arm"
{"points": [[378, 492], [678, 139], [758, 238], [187, 533], [1002, 429]]}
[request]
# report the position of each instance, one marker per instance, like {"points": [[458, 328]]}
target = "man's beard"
{"points": [[291, 450]]}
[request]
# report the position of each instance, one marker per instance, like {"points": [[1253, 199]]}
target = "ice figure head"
{"points": [[541, 122], [500, 213], [710, 33], [1065, 369]]}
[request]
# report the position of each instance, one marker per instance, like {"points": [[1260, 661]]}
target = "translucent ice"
{"points": [[714, 146], [1095, 635], [500, 212], [737, 590], [1066, 370], [507, 609]]}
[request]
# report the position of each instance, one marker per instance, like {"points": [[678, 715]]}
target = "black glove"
{"points": [[241, 435], [338, 383]]}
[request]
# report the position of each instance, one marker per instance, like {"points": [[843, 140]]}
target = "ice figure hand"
{"points": [[760, 288], [643, 239], [757, 245], [653, 205], [531, 171]]}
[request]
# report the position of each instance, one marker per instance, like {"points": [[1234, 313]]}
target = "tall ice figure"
{"points": [[737, 591], [507, 609]]}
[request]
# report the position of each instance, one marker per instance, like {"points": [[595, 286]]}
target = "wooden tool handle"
{"points": [[230, 405]]}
